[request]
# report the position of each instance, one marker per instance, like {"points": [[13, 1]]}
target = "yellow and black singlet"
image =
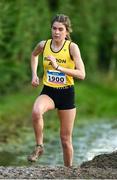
{"points": [[52, 77]]}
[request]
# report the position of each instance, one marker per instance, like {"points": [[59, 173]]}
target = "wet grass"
{"points": [[15, 111], [96, 100]]}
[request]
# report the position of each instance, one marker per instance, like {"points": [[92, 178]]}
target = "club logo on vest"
{"points": [[63, 61]]}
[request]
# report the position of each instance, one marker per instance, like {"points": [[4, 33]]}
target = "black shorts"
{"points": [[62, 97]]}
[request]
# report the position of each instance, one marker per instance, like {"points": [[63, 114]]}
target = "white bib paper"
{"points": [[56, 77]]}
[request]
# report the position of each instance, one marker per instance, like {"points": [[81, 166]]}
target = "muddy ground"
{"points": [[101, 167]]}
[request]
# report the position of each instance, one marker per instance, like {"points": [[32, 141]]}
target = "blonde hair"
{"points": [[65, 21]]}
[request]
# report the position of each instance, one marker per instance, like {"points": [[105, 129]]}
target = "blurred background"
{"points": [[22, 25]]}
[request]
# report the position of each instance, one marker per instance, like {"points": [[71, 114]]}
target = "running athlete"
{"points": [[62, 62]]}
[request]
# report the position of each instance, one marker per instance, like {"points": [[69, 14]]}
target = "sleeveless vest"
{"points": [[52, 77]]}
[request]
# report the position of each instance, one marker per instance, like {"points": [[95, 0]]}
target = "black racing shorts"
{"points": [[64, 97]]}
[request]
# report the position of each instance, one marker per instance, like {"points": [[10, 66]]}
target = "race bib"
{"points": [[56, 77]]}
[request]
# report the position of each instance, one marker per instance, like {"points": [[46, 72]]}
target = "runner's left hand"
{"points": [[53, 61]]}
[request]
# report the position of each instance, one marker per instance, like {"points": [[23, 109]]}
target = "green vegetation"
{"points": [[96, 100], [15, 112], [23, 24]]}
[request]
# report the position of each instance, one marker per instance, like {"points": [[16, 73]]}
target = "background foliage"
{"points": [[24, 23]]}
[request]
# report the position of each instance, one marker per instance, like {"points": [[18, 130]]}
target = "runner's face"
{"points": [[59, 31]]}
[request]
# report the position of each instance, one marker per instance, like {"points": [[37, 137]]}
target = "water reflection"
{"points": [[89, 139]]}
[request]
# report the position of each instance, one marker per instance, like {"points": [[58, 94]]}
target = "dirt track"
{"points": [[101, 167]]}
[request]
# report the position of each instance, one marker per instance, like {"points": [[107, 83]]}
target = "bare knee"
{"points": [[37, 114], [66, 141]]}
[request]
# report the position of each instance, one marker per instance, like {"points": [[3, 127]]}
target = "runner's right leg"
{"points": [[42, 104]]}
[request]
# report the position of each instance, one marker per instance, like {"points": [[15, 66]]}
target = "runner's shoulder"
{"points": [[41, 44]]}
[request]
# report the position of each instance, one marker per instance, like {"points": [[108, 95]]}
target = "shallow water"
{"points": [[90, 138]]}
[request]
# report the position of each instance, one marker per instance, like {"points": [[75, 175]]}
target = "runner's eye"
{"points": [[54, 28], [60, 29]]}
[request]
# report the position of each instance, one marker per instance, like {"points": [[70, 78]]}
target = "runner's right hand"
{"points": [[35, 81]]}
